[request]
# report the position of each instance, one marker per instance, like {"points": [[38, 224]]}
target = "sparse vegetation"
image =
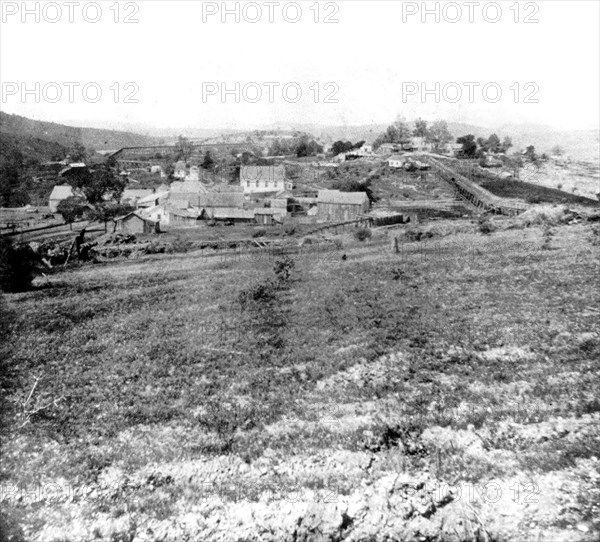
{"points": [[390, 367], [485, 225], [362, 234]]}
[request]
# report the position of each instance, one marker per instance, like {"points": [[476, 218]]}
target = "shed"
{"points": [[337, 206], [233, 214], [135, 223]]}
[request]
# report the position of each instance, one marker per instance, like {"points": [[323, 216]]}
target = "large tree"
{"points": [[108, 210], [77, 152], [183, 149], [421, 129], [469, 146], [71, 209], [439, 135]]}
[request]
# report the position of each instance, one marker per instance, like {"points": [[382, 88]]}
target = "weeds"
{"points": [[484, 224], [547, 236], [362, 234]]}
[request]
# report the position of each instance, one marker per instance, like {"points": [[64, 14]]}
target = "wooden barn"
{"points": [[134, 223], [337, 206]]}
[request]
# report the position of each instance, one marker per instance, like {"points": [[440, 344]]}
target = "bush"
{"points": [[17, 266], [418, 235], [533, 199], [264, 292], [362, 234], [290, 230], [485, 226], [259, 233], [283, 268], [179, 245]]}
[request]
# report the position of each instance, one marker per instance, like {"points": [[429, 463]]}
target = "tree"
{"points": [[183, 149], [439, 135], [308, 147], [11, 170], [506, 144], [557, 150], [77, 153], [208, 161], [530, 154], [101, 183], [421, 129], [71, 209], [493, 144], [469, 146], [399, 133], [106, 211], [340, 147], [18, 266]]}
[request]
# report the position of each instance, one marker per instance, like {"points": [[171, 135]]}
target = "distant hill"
{"points": [[91, 138], [32, 148]]}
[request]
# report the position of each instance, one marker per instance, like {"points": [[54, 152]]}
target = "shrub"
{"points": [[533, 199], [362, 234], [417, 235], [547, 236], [259, 233], [290, 230], [485, 226], [179, 245], [595, 236], [264, 292], [17, 266], [283, 268]]}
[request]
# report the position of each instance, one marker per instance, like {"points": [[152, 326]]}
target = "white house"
{"points": [[59, 193], [158, 169], [396, 161], [180, 170], [262, 179], [194, 174], [420, 144]]}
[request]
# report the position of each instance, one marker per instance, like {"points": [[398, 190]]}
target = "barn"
{"points": [[134, 223], [337, 206]]}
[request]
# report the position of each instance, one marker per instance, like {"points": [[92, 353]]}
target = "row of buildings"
{"points": [[233, 208], [263, 196]]}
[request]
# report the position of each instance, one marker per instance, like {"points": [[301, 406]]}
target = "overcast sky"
{"points": [[369, 62]]}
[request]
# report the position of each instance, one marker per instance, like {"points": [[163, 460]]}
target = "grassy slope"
{"points": [[354, 372], [541, 194]]}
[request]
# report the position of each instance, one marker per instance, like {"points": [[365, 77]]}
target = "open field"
{"points": [[448, 392]]}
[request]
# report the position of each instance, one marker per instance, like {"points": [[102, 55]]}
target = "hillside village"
{"points": [[241, 180], [310, 340]]}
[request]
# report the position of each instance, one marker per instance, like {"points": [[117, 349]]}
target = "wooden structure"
{"points": [[474, 194], [337, 206], [134, 223]]}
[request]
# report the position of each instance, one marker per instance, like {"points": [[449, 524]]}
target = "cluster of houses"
{"points": [[394, 150], [263, 196]]}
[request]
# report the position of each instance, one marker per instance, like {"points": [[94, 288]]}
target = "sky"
{"points": [[342, 63]]}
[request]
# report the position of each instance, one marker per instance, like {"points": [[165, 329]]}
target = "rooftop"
{"points": [[344, 198]]}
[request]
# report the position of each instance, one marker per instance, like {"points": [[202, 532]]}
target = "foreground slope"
{"points": [[447, 392]]}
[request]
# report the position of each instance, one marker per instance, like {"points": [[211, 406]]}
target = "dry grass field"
{"points": [[448, 392]]}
